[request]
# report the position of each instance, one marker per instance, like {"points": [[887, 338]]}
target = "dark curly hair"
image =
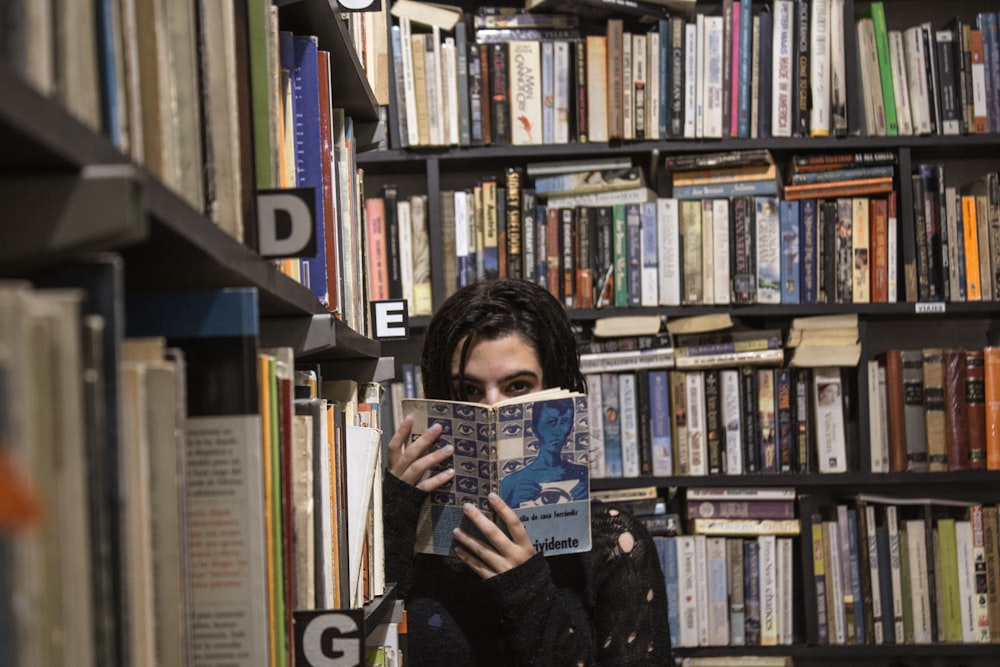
{"points": [[490, 309]]}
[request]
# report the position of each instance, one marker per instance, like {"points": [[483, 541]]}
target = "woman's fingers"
{"points": [[518, 533], [499, 553], [410, 461]]}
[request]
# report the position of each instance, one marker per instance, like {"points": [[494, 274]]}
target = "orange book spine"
{"points": [[879, 221], [378, 257], [973, 286], [896, 417], [991, 376]]}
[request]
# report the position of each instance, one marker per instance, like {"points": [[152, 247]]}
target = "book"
{"points": [[830, 428], [536, 453]]}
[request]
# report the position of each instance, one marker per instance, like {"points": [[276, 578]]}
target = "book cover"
{"points": [[662, 464], [767, 236], [612, 425], [830, 428], [525, 82], [533, 453]]}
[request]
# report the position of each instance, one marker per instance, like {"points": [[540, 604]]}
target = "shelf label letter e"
{"points": [[329, 638], [285, 222], [391, 319]]}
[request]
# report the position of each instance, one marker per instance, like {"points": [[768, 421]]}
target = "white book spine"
{"points": [[461, 258], [410, 105], [769, 620], [629, 409], [449, 65], [900, 86], [919, 95], [669, 252], [653, 91], [628, 87], [694, 384], [966, 581], [687, 590], [548, 92], [835, 587], [718, 591], [768, 233], [819, 69], [892, 258], [561, 92], [712, 94], [405, 251], [650, 255], [699, 74], [432, 86], [595, 413], [732, 424], [525, 92], [701, 587], [439, 88], [690, 80], [828, 404], [786, 603], [720, 239], [781, 69]]}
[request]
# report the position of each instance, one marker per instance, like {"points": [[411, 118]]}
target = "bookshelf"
{"points": [[907, 323], [75, 199]]}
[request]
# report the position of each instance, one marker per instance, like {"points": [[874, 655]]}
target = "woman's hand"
{"points": [[410, 461], [500, 553]]}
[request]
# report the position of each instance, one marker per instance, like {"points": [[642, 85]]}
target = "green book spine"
{"points": [[884, 67]]}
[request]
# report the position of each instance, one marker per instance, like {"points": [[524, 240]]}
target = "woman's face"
{"points": [[497, 369]]}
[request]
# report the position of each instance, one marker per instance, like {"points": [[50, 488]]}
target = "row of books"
{"points": [[183, 482], [931, 409], [729, 591], [708, 75], [928, 79], [904, 570], [740, 420], [957, 234], [397, 241], [666, 251]]}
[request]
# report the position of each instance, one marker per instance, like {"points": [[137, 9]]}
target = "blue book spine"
{"points": [[659, 416], [650, 255], [548, 93], [785, 431], [612, 425], [542, 245], [667, 547], [764, 70], [400, 136], [409, 373], [633, 253], [855, 569], [791, 288], [746, 48], [808, 271], [960, 243], [108, 73], [663, 26], [308, 153], [713, 190]]}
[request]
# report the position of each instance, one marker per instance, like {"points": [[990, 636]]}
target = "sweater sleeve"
{"points": [[400, 510], [627, 624]]}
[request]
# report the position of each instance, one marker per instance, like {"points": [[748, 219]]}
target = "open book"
{"points": [[532, 451]]}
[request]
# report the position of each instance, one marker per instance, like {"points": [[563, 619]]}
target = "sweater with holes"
{"points": [[606, 606]]}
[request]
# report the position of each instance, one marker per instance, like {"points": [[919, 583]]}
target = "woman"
{"points": [[498, 602]]}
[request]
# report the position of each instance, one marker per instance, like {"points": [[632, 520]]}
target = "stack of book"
{"points": [[741, 511], [824, 340], [840, 175], [725, 174]]}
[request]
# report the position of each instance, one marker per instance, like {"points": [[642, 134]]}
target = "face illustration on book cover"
{"points": [[540, 472]]}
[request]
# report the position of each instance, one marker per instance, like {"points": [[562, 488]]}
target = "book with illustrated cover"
{"points": [[531, 450]]}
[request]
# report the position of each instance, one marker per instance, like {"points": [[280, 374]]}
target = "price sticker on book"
{"points": [[329, 638], [360, 5]]}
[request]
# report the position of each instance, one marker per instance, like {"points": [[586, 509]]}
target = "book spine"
{"points": [[499, 97], [781, 68], [612, 425], [975, 408], [662, 464], [713, 422], [633, 254], [913, 406], [749, 413], [791, 256]]}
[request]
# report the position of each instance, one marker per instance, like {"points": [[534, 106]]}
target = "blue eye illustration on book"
{"points": [[484, 469], [438, 408], [465, 447], [464, 430], [552, 496], [468, 467], [445, 425], [512, 465], [512, 430], [442, 498], [510, 412], [467, 484], [484, 431], [464, 411]]}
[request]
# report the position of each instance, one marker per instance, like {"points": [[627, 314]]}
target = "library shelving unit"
{"points": [[71, 194], [882, 326]]}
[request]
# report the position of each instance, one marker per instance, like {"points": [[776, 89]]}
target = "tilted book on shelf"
{"points": [[531, 450]]}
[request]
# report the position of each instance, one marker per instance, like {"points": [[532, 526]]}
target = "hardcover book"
{"points": [[531, 450]]}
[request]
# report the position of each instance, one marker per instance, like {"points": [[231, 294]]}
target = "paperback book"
{"points": [[531, 450]]}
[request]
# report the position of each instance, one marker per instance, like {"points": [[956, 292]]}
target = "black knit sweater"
{"points": [[604, 607]]}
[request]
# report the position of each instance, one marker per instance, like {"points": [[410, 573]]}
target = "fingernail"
{"points": [[468, 507], [448, 449], [449, 472], [494, 496]]}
